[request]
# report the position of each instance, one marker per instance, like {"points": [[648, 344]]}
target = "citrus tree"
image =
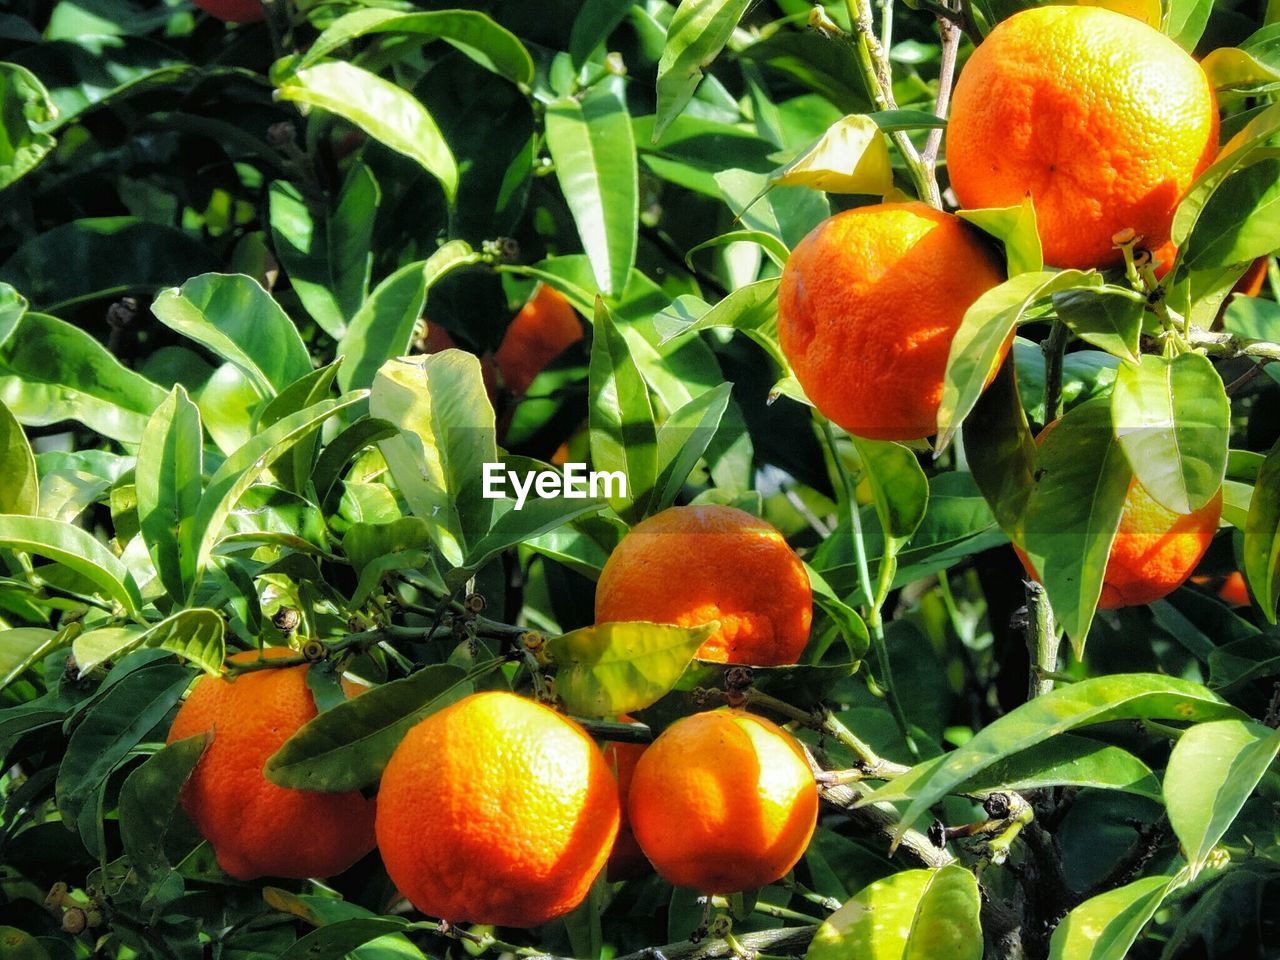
{"points": [[644, 480]]}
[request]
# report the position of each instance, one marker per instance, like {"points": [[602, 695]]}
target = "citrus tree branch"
{"points": [[785, 940]]}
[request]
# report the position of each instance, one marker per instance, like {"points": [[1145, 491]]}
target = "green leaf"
{"points": [[1185, 21], [1064, 761], [1213, 769], [1096, 700], [592, 144], [487, 43], [698, 32], [240, 470], [899, 488], [195, 634], [381, 109], [1234, 67], [21, 647], [623, 435], [302, 393], [1110, 318], [170, 478], [446, 435], [13, 307], [234, 317], [116, 723], [1262, 536], [336, 940], [383, 326], [910, 915], [19, 485], [149, 804], [75, 549], [751, 309], [25, 111], [347, 747], [1240, 221], [113, 256], [339, 451], [1173, 420], [613, 668], [682, 440], [595, 21], [1105, 927], [1015, 227], [1000, 449], [534, 519], [1073, 512], [52, 371], [327, 255], [983, 333]]}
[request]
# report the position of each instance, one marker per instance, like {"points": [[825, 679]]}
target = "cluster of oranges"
{"points": [[1104, 123]]}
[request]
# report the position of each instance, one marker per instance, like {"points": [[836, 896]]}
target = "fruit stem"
{"points": [[1054, 349], [1042, 640]]}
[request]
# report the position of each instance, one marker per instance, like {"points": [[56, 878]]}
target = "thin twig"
{"points": [[950, 33]]}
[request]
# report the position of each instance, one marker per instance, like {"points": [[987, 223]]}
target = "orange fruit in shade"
{"points": [[232, 11], [1234, 590], [869, 303], [627, 860], [257, 828], [1102, 120], [1155, 550], [691, 565], [543, 329], [496, 810], [723, 801]]}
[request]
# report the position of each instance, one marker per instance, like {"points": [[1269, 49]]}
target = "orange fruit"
{"points": [[1234, 590], [627, 860], [232, 11], [256, 828], [723, 801], [1155, 550], [496, 810], [1102, 120], [869, 303], [691, 565], [543, 329]]}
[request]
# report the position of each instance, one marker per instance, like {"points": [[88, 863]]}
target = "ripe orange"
{"points": [[255, 827], [869, 303], [232, 11], [543, 329], [496, 810], [1234, 590], [627, 860], [1101, 119], [723, 801], [1155, 550], [691, 565]]}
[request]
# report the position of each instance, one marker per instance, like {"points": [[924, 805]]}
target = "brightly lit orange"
{"points": [[256, 828], [691, 565], [543, 329], [869, 303], [496, 810], [1102, 120], [723, 801]]}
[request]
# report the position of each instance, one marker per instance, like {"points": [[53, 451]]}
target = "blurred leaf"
{"points": [[384, 111], [487, 43], [911, 915], [986, 327], [25, 109], [1213, 769], [327, 255], [1073, 512], [20, 647], [817, 62], [1262, 537], [1000, 449], [234, 317], [383, 327], [170, 479], [1105, 927], [698, 32], [1110, 318], [623, 435], [1015, 227], [613, 668], [195, 634], [13, 307], [75, 549], [149, 804], [113, 256], [347, 747], [1096, 700], [851, 157], [19, 485], [446, 435], [1173, 421], [595, 21], [591, 142]]}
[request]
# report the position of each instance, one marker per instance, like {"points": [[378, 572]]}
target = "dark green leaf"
{"points": [[1262, 537], [1000, 449], [25, 111], [149, 803], [75, 549]]}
